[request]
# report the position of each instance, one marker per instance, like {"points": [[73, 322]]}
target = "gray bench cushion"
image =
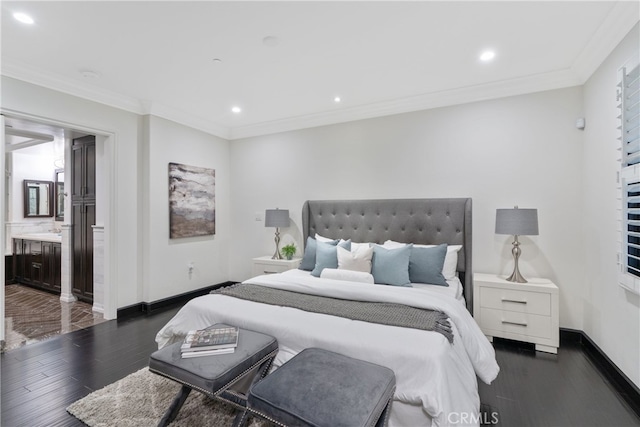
{"points": [[209, 374], [321, 388]]}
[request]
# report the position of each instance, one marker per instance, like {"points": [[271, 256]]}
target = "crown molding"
{"points": [[178, 116], [500, 89], [20, 71], [621, 19]]}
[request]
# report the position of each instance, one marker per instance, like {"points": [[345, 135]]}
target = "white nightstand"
{"points": [[266, 265], [518, 311]]}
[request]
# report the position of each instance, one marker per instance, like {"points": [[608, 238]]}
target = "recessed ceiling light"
{"points": [[217, 60], [487, 55], [23, 17], [236, 109], [337, 99]]}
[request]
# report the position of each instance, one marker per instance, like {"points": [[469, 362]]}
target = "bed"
{"points": [[436, 376]]}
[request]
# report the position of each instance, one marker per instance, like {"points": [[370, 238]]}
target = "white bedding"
{"points": [[436, 380]]}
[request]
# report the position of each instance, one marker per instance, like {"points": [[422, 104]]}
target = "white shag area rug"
{"points": [[140, 400]]}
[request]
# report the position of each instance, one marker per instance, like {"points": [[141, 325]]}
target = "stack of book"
{"points": [[210, 341]]}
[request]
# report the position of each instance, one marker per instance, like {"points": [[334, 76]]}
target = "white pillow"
{"points": [[450, 266], [320, 238], [354, 245], [390, 244], [357, 246], [348, 275], [323, 239], [358, 259]]}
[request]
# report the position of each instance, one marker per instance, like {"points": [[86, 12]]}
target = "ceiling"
{"points": [[380, 58]]}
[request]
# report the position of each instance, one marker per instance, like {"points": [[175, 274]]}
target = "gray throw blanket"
{"points": [[374, 312]]}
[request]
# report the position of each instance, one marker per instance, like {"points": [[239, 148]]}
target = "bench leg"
{"points": [[175, 406], [239, 397], [241, 418]]}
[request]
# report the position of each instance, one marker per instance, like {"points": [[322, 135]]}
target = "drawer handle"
{"points": [[506, 322], [269, 272], [513, 300]]}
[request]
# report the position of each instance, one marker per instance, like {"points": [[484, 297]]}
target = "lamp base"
{"points": [[277, 254], [516, 276]]}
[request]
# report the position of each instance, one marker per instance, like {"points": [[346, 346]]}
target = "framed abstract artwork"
{"points": [[192, 209]]}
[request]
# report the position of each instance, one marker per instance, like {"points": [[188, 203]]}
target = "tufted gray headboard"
{"points": [[420, 221]]}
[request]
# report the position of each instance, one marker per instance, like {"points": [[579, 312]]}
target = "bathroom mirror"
{"points": [[59, 189], [38, 197]]}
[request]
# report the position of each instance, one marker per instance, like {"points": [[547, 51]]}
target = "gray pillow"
{"points": [[391, 266], [309, 258], [425, 265], [327, 255]]}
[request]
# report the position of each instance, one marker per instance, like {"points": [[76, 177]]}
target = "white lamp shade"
{"points": [[276, 218], [518, 222]]}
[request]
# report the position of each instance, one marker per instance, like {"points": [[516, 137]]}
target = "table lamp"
{"points": [[518, 222], [276, 218]]}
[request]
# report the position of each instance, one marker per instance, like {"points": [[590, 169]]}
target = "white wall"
{"points": [[513, 151], [34, 163], [611, 314], [166, 263]]}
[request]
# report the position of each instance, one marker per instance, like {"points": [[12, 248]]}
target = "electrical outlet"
{"points": [[258, 216]]}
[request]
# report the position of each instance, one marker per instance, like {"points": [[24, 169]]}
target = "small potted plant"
{"points": [[289, 251]]}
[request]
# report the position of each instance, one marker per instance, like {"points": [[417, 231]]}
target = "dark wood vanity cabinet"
{"points": [[38, 264], [52, 269]]}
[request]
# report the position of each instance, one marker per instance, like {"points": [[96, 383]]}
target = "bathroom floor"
{"points": [[32, 316]]}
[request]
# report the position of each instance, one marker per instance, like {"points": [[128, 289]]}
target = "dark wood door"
{"points": [[83, 215]]}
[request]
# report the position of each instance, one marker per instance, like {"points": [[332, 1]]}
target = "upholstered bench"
{"points": [[320, 388], [225, 376]]}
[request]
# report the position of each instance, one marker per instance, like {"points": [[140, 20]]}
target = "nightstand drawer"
{"points": [[519, 301], [259, 268], [267, 265], [513, 323]]}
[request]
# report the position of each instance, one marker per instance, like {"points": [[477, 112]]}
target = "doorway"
{"points": [[104, 230]]}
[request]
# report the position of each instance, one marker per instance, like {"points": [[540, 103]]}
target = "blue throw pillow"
{"points": [[425, 265], [308, 262], [327, 255], [391, 266]]}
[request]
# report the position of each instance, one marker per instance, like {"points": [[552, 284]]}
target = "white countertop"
{"points": [[45, 237]]}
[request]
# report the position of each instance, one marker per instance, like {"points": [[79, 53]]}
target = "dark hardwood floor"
{"points": [[536, 389], [533, 389], [40, 380]]}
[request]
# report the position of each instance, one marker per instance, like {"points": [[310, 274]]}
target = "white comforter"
{"points": [[436, 380]]}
